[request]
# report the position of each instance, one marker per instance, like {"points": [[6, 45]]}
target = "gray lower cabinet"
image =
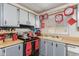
{"points": [[42, 47], [2, 52], [60, 49], [14, 50], [52, 48]]}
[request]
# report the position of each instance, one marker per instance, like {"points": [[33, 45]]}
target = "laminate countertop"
{"points": [[63, 39], [9, 43]]}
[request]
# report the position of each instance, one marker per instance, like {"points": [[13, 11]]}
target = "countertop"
{"points": [[71, 40], [9, 43], [63, 39], [2, 32]]}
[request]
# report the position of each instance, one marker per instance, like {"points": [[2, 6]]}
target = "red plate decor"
{"points": [[69, 11], [59, 18], [45, 16], [41, 17]]}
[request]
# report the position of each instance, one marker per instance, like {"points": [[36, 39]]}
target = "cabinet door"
{"points": [[60, 49], [2, 52], [23, 17], [43, 47], [50, 47], [32, 19], [77, 15], [20, 46], [10, 15], [0, 13], [15, 50]]}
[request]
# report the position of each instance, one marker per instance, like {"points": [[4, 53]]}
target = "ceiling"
{"points": [[40, 7]]}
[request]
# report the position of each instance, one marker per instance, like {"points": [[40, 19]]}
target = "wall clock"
{"points": [[59, 18], [69, 11]]}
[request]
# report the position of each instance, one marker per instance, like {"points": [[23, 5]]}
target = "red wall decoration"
{"points": [[59, 18], [41, 17], [69, 11], [71, 21], [42, 25], [45, 16]]}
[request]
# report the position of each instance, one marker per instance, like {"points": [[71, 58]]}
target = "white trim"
{"points": [[57, 9]]}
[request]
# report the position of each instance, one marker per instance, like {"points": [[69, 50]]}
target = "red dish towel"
{"points": [[36, 44], [28, 48], [14, 37]]}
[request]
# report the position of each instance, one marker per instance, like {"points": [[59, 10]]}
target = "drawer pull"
{"points": [[19, 47], [44, 42], [52, 44], [3, 51], [56, 45]]}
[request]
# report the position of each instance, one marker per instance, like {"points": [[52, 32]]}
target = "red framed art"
{"points": [[69, 11], [41, 17], [59, 18], [45, 16]]}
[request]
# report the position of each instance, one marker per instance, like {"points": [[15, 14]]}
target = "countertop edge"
{"points": [[4, 45]]}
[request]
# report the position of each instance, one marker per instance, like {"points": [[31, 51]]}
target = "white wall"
{"points": [[71, 30]]}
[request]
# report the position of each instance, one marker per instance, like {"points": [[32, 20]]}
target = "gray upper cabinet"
{"points": [[12, 16], [60, 49], [9, 15], [32, 19], [0, 13], [24, 17]]}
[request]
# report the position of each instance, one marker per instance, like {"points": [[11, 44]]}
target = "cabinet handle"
{"points": [[5, 22], [56, 45], [18, 22], [29, 22], [52, 44], [44, 42], [19, 47], [17, 9], [3, 51]]}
